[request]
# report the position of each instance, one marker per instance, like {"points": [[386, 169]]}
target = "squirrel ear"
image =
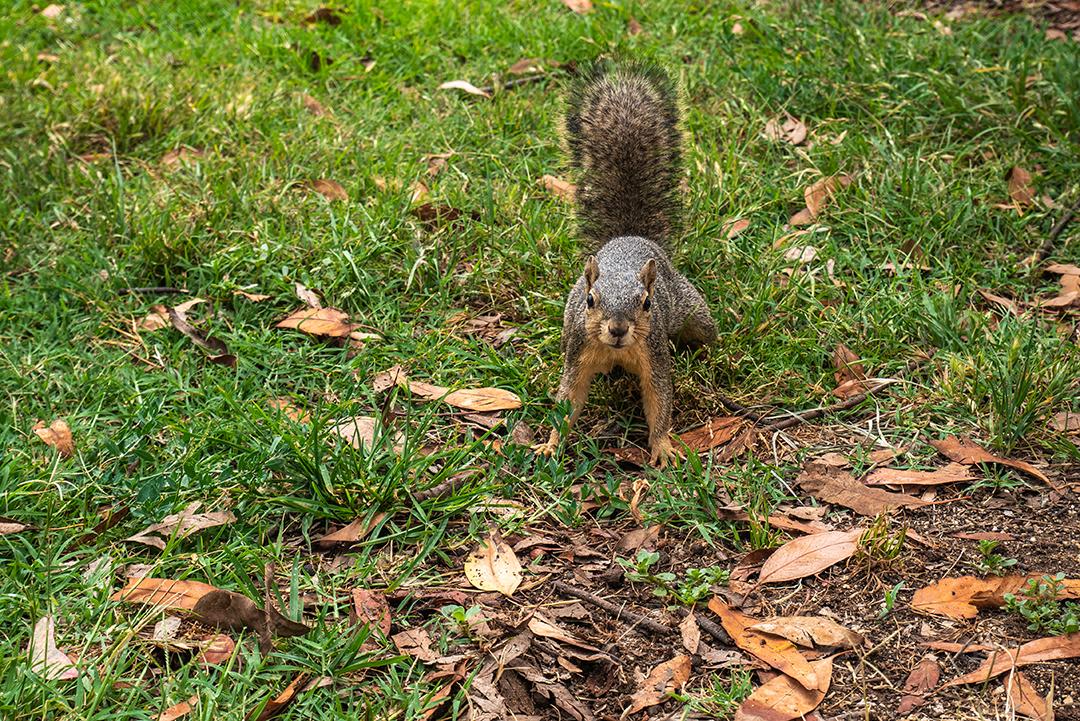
{"points": [[648, 274], [592, 271]]}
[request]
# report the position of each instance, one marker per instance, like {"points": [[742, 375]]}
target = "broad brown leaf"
{"points": [[690, 633], [46, 659], [835, 485], [492, 566], [179, 710], [663, 680], [163, 592], [371, 609], [952, 473], [963, 450], [471, 399], [778, 653], [808, 555], [329, 322], [178, 317], [821, 193], [329, 189], [963, 596], [540, 626], [1037, 651], [1024, 700], [1020, 188], [783, 699], [922, 679], [787, 129], [714, 433], [253, 297], [848, 365], [352, 533], [180, 525], [280, 702], [8, 525], [56, 435], [734, 227], [415, 642], [810, 631], [180, 156]]}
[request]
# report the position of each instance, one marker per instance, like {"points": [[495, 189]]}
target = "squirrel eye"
{"points": [[646, 304], [589, 300]]}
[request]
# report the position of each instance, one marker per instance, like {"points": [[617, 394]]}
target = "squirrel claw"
{"points": [[545, 449], [663, 454]]}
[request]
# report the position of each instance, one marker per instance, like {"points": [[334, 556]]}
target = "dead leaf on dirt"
{"points": [[180, 525], [464, 86], [253, 297], [1024, 700], [179, 710], [690, 633], [561, 189], [786, 129], [955, 647], [234, 612], [307, 296], [835, 485], [1008, 304], [216, 346], [540, 626], [783, 699], [1065, 421], [45, 658], [810, 631], [963, 596], [163, 592], [779, 653], [733, 227], [1063, 269], [963, 450], [492, 566], [56, 435], [922, 679], [715, 432], [471, 399], [581, 7], [415, 642], [371, 609], [352, 533], [639, 538], [776, 520], [329, 189], [802, 217], [329, 322], [1020, 188], [180, 156], [984, 536], [951, 473], [848, 365], [1037, 651], [663, 680], [808, 555], [216, 651]]}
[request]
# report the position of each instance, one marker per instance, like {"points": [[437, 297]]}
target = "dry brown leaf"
{"points": [[372, 609], [776, 520], [963, 450], [633, 27], [821, 193], [291, 411], [56, 435], [542, 627], [182, 155], [216, 651], [984, 536], [307, 296], [324, 15], [329, 189], [471, 399], [954, 647], [1020, 188], [358, 431], [45, 658], [280, 702], [492, 566], [714, 433], [810, 631], [253, 297], [783, 699], [560, 188], [352, 533], [1065, 421], [8, 525], [178, 317], [526, 66], [313, 106], [1063, 269], [733, 227], [52, 11], [835, 485], [962, 597], [581, 7], [163, 592], [156, 319], [801, 254], [1024, 700], [415, 642], [1010, 305], [848, 365], [778, 653], [179, 710], [180, 525], [690, 633], [788, 130], [393, 376], [922, 679], [1037, 651], [329, 322], [663, 680], [464, 86], [951, 473], [803, 217], [808, 555]]}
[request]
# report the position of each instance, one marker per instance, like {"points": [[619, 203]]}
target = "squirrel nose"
{"points": [[618, 328]]}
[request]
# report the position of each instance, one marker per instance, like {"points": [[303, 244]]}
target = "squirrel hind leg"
{"points": [[697, 326]]}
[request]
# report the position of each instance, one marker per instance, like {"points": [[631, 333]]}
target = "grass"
{"points": [[930, 124]]}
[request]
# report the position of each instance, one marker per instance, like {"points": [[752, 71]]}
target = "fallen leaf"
{"points": [[783, 699], [291, 411], [526, 66], [690, 633], [801, 254], [715, 432], [353, 532], [471, 399], [1037, 651], [581, 7], [7, 526], [163, 592], [235, 612], [984, 536], [802, 217], [1066, 421], [776, 520], [181, 709], [561, 189], [156, 319], [393, 376], [56, 435], [52, 11], [733, 227], [1020, 188], [835, 485], [951, 473], [216, 651], [415, 642], [788, 130], [464, 86], [963, 596], [372, 609], [253, 297], [178, 316], [808, 555], [779, 653], [313, 106], [1053, 34], [633, 27], [821, 193], [180, 525], [922, 679], [848, 365], [436, 215], [1063, 269], [639, 538], [1006, 303], [329, 189], [307, 296], [1024, 700], [954, 647], [180, 156], [663, 680], [542, 627], [358, 432], [963, 450], [492, 566], [810, 631], [324, 15], [329, 322], [279, 703], [45, 658]]}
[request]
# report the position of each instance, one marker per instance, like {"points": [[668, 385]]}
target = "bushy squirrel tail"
{"points": [[622, 126]]}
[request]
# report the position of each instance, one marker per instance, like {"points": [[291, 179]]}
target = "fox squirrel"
{"points": [[624, 140]]}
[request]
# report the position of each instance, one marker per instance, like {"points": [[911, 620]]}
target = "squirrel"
{"points": [[622, 129]]}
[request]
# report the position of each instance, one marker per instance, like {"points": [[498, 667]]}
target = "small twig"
{"points": [[1048, 245], [740, 410], [162, 289], [635, 619]]}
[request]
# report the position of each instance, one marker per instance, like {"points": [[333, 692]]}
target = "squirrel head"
{"points": [[618, 305]]}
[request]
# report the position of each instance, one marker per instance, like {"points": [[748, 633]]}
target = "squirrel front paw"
{"points": [[548, 448], [662, 453]]}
